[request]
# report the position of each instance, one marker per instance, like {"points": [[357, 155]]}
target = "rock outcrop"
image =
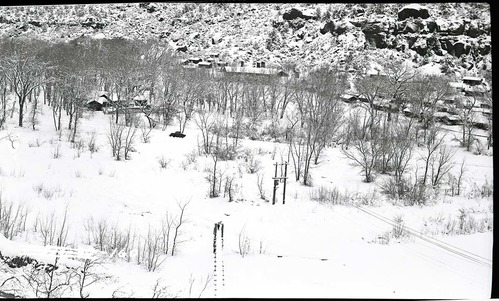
{"points": [[414, 11]]}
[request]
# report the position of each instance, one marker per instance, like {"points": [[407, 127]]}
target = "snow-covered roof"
{"points": [[101, 99], [472, 78]]}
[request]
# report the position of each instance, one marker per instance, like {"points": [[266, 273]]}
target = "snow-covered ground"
{"points": [[299, 249]]}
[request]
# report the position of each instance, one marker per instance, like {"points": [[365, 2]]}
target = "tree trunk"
{"points": [[22, 100]]}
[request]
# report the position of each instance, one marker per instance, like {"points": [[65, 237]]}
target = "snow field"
{"points": [[300, 249]]}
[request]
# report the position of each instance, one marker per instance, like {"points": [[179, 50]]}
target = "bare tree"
{"points": [[88, 276], [403, 146], [181, 221], [50, 280], [433, 143], [23, 69], [206, 122], [464, 107], [442, 164], [364, 149]]}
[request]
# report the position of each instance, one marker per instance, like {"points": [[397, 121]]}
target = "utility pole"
{"points": [[276, 182], [285, 179]]}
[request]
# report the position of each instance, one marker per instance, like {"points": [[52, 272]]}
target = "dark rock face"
{"points": [[328, 27], [431, 25], [334, 28], [292, 14], [484, 49], [295, 13], [414, 11], [35, 23], [95, 24], [375, 33], [182, 48], [461, 47]]}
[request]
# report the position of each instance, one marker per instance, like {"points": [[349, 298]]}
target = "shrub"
{"points": [[56, 152], [92, 147], [253, 164], [12, 218], [244, 243], [79, 146], [164, 163], [259, 183], [327, 195], [399, 228]]}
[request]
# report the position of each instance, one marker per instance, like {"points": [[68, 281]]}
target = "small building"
{"points": [[205, 65], [472, 81], [98, 104], [282, 73], [440, 116], [452, 120], [348, 98], [194, 60]]}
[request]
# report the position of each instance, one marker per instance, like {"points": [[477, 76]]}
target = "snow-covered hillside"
{"points": [[303, 248], [456, 36]]}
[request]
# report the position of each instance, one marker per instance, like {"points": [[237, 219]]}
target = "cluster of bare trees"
{"points": [[382, 144]]}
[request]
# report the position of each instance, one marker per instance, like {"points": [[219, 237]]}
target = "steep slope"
{"points": [[456, 36]]}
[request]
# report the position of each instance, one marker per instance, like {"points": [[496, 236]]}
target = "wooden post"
{"points": [[276, 181], [285, 179]]}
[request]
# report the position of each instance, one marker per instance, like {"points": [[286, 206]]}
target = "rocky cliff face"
{"points": [[456, 36]]}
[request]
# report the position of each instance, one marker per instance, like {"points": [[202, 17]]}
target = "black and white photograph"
{"points": [[246, 150]]}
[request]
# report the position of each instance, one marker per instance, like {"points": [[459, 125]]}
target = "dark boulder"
{"points": [[431, 25], [461, 47], [456, 28], [375, 33], [473, 30], [328, 27], [295, 13], [292, 14], [434, 44], [374, 28], [182, 48], [420, 46], [35, 23], [484, 49], [335, 28], [414, 11]]}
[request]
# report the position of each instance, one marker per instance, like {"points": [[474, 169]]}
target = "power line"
{"points": [[450, 248]]}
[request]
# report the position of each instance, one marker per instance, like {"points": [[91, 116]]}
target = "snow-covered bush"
{"points": [[327, 195], [12, 218], [56, 152], [244, 243], [91, 144], [164, 162], [253, 164], [259, 183]]}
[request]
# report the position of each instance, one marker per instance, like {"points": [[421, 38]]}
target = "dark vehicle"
{"points": [[177, 134]]}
